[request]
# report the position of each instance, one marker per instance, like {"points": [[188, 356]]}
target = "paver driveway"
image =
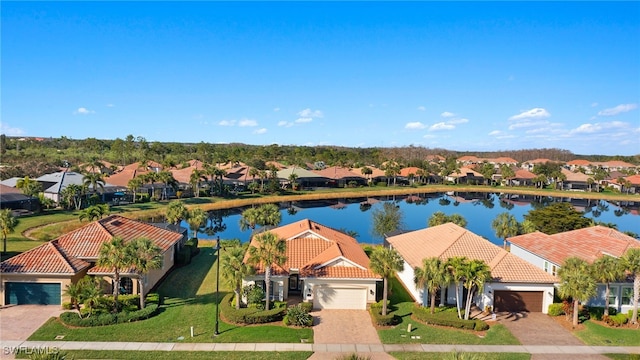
{"points": [[19, 322]]}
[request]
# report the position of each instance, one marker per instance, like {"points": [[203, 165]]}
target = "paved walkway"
{"points": [[565, 350], [19, 322]]}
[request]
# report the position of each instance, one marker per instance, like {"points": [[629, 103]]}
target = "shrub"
{"points": [[383, 320], [307, 306], [448, 318], [184, 255], [72, 318], [47, 354], [298, 316], [597, 312], [254, 294], [250, 315], [354, 356], [616, 320], [193, 246], [556, 309], [67, 306]]}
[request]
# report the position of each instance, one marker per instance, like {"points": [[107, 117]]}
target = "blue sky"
{"points": [[462, 76]]}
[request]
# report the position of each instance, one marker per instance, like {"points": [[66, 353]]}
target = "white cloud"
{"points": [[415, 125], [447, 114], [247, 123], [495, 133], [276, 109], [535, 113], [110, 105], [227, 123], [441, 126], [422, 108], [458, 121], [308, 113], [83, 111], [524, 124], [622, 108], [10, 131], [598, 127], [594, 104], [304, 120], [285, 123], [260, 131]]}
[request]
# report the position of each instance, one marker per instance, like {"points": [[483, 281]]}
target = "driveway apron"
{"points": [[20, 321]]}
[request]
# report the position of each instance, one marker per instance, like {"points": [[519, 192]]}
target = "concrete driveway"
{"points": [[20, 321]]}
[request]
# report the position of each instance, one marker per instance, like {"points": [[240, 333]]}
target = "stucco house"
{"points": [[548, 252], [324, 266], [516, 285], [40, 275]]}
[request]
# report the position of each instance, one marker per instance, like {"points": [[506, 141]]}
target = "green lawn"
{"points": [[180, 355], [439, 356], [595, 334], [421, 333], [190, 300]]}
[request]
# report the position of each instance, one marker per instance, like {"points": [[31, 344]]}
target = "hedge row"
{"points": [[444, 319], [73, 319], [250, 315], [383, 320]]}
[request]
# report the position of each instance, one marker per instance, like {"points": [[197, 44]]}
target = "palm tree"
{"points": [[29, 187], [292, 180], [249, 219], [431, 276], [387, 219], [194, 181], [196, 218], [8, 225], [607, 269], [577, 283], [146, 256], [456, 268], [93, 181], [367, 171], [505, 225], [270, 250], [385, 262], [439, 218], [234, 270], [115, 255], [166, 177], [176, 212], [151, 178], [74, 292], [631, 262], [476, 274], [263, 215], [135, 184], [91, 292]]}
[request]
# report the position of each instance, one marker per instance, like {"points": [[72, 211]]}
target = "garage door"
{"points": [[327, 297], [20, 293], [518, 301]]}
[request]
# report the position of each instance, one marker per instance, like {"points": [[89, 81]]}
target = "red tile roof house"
{"points": [[324, 266], [40, 275], [549, 252], [516, 285]]}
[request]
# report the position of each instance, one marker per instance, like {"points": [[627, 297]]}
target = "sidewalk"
{"points": [[7, 345]]}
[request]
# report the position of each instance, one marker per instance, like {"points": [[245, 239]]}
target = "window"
{"points": [[546, 266], [613, 297], [627, 296], [554, 270]]}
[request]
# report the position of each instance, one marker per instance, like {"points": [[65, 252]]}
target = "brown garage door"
{"points": [[518, 301]]}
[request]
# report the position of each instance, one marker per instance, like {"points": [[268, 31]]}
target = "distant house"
{"points": [[14, 199], [549, 252], [522, 177], [40, 275], [324, 266], [516, 285], [575, 181], [465, 175], [54, 184], [629, 184], [306, 178], [339, 176]]}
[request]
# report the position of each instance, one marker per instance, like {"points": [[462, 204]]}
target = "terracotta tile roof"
{"points": [[47, 258], [409, 170], [575, 176], [375, 172], [539, 161], [122, 177], [588, 244], [450, 240], [183, 175], [320, 251], [463, 171], [469, 158], [579, 162], [523, 174], [633, 179], [503, 160], [618, 163], [338, 172], [67, 254]]}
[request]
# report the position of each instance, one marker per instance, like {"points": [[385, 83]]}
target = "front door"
{"points": [[293, 282]]}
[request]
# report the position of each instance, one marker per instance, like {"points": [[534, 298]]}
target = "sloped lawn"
{"points": [[599, 335], [190, 300], [427, 334]]}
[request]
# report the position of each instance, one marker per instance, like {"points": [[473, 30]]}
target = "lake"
{"points": [[479, 209]]}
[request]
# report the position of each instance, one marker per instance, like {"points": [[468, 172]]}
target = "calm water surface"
{"points": [[478, 209]]}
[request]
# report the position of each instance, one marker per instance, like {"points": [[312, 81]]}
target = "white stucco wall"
{"points": [[531, 257], [406, 277]]}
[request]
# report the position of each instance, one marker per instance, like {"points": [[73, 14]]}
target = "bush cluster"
{"points": [[298, 315], [556, 309], [597, 312], [71, 318], [616, 320], [192, 244], [383, 320], [447, 318], [251, 315], [307, 306]]}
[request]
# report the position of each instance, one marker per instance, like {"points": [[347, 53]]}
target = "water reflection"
{"points": [[353, 215]]}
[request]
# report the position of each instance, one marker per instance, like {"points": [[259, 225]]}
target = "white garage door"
{"points": [[327, 297]]}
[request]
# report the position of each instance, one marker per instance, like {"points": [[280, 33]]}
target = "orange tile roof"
{"points": [[316, 250], [463, 171], [338, 172], [122, 177], [633, 179], [523, 174], [575, 176], [409, 170], [503, 160], [579, 162], [69, 252], [588, 244], [450, 240]]}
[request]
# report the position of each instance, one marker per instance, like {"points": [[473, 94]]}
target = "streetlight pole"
{"points": [[216, 332]]}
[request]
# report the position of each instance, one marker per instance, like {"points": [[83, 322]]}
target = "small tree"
{"points": [[576, 283], [8, 225], [176, 212], [115, 255], [234, 270], [431, 276], [505, 225], [196, 218], [607, 269], [145, 256], [476, 274], [269, 250], [387, 219], [456, 267], [631, 261], [74, 292], [385, 262]]}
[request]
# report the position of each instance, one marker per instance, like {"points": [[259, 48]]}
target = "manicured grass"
{"points": [[181, 355], [596, 334], [190, 300], [439, 356], [623, 356], [402, 305]]}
